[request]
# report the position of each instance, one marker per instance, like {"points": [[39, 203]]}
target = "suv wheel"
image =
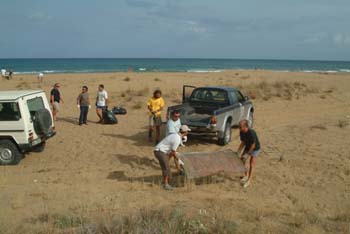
{"points": [[9, 153], [227, 135]]}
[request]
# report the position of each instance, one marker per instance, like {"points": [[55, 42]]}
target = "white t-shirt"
{"points": [[101, 98], [172, 126], [3, 72], [40, 75], [169, 143]]}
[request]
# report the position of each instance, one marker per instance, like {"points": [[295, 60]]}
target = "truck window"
{"points": [[240, 96], [233, 96], [9, 111], [208, 95], [35, 104]]}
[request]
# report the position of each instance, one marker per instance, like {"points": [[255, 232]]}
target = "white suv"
{"points": [[25, 124]]}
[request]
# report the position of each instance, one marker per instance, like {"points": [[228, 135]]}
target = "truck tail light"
{"points": [[31, 136], [213, 121]]}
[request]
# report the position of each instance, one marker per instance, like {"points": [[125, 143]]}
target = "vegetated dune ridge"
{"points": [[90, 176]]}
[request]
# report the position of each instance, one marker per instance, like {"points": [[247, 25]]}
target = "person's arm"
{"points": [[51, 98], [106, 98], [251, 149], [149, 105], [240, 148], [78, 99]]}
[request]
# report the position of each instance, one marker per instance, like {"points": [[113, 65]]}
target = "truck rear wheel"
{"points": [[9, 153], [227, 135]]}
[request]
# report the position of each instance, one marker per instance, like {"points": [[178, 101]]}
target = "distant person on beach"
{"points": [[155, 106], [83, 103], [165, 150], [40, 77], [10, 74], [251, 148], [173, 124], [3, 73], [55, 99], [101, 102]]}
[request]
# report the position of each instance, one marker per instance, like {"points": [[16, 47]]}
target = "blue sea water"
{"points": [[172, 65]]}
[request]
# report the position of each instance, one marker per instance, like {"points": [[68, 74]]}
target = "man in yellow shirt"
{"points": [[155, 106]]}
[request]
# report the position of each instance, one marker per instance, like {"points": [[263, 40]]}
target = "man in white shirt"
{"points": [[173, 124], [40, 76], [101, 102], [166, 149], [3, 72]]}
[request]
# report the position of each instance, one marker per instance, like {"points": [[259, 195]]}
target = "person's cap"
{"points": [[185, 128]]}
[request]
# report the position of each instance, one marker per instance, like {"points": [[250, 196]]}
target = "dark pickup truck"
{"points": [[213, 111]]}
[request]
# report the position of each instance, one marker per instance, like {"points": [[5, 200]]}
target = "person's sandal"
{"points": [[168, 187], [244, 179], [246, 184]]}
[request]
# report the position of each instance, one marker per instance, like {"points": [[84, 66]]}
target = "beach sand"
{"points": [[302, 178]]}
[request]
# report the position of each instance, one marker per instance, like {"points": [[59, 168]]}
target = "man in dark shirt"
{"points": [[251, 145], [55, 99]]}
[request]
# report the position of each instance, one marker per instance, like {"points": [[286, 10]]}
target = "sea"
{"points": [[90, 65]]}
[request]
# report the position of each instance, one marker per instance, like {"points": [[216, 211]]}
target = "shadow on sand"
{"points": [[135, 161], [71, 120]]}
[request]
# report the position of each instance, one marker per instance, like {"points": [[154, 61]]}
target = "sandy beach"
{"points": [[302, 179]]}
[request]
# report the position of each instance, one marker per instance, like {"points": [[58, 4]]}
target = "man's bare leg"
{"points": [[99, 114], [251, 168]]}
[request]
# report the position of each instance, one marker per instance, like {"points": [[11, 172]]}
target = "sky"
{"points": [[246, 29]]}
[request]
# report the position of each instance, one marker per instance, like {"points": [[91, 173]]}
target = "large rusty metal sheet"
{"points": [[199, 164]]}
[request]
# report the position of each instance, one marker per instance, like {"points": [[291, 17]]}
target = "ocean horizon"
{"points": [[94, 65]]}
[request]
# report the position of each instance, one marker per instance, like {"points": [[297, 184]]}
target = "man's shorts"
{"points": [[155, 121], [100, 107], [255, 153], [56, 106], [163, 159]]}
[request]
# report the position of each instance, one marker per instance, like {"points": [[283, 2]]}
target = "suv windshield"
{"points": [[9, 111], [209, 95], [35, 104]]}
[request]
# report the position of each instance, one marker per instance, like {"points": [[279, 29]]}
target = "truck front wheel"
{"points": [[9, 153], [226, 138]]}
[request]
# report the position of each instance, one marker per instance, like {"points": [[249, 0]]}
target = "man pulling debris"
{"points": [[165, 150], [251, 145]]}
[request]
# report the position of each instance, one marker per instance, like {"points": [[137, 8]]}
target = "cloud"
{"points": [[195, 27], [39, 16], [141, 3], [316, 38], [341, 39]]}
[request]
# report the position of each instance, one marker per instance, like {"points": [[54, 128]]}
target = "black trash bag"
{"points": [[118, 110], [109, 117]]}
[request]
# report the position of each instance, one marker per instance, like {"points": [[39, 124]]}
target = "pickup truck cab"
{"points": [[213, 111], [25, 124]]}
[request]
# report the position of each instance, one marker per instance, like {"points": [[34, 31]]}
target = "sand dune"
{"points": [[302, 182]]}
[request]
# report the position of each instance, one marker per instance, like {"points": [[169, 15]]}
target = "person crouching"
{"points": [[165, 150]]}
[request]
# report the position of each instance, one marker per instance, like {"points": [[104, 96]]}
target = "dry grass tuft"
{"points": [[157, 79], [281, 89], [127, 79], [23, 85], [138, 105], [342, 123], [144, 222]]}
